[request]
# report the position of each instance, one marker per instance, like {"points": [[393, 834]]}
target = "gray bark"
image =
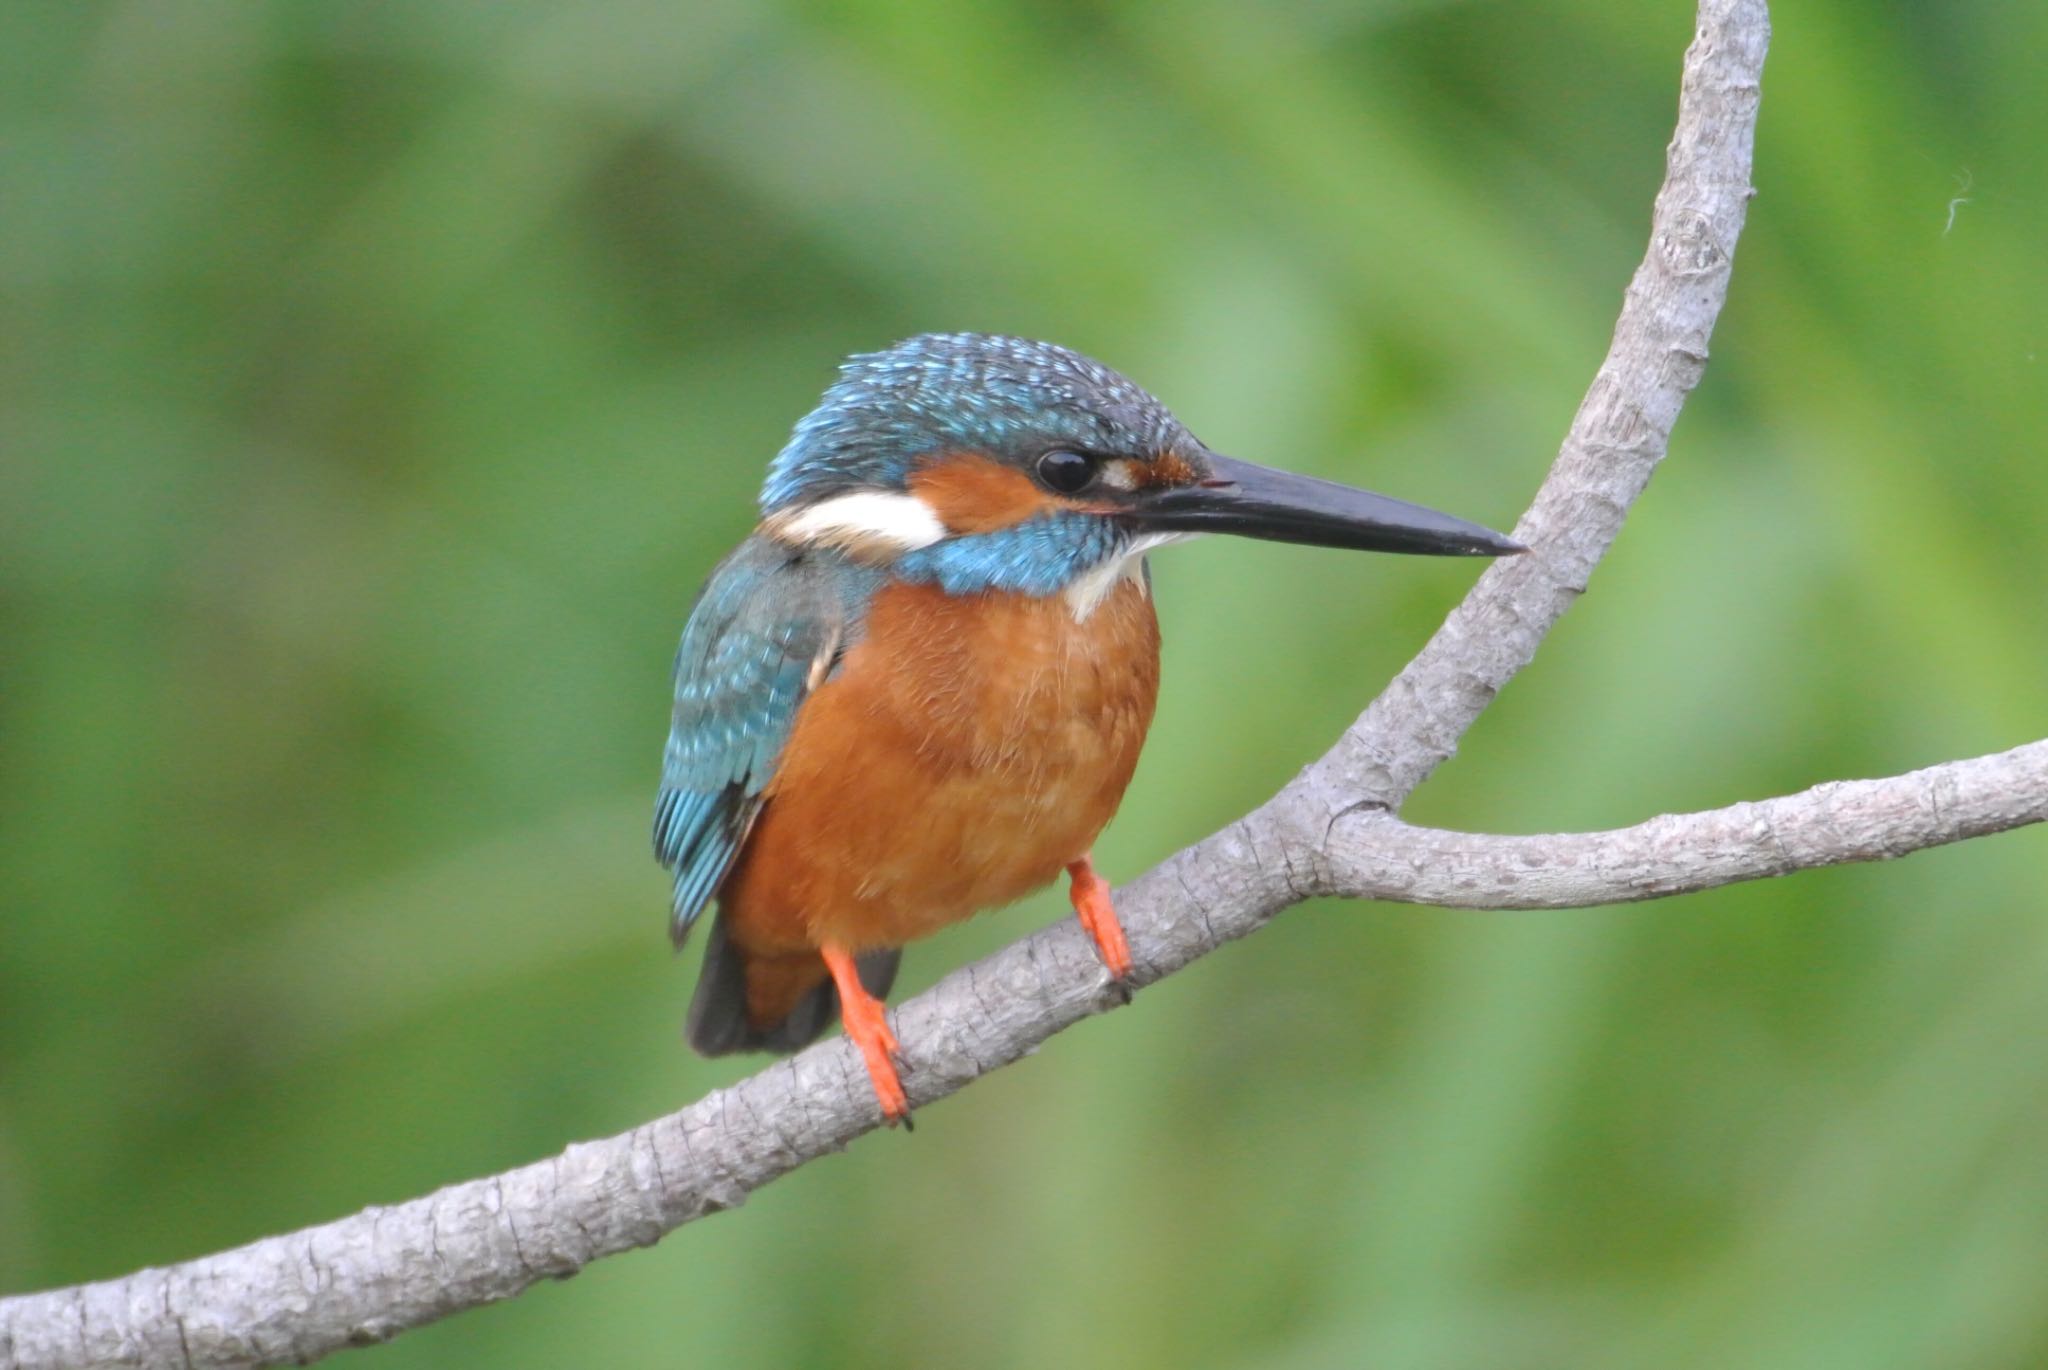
{"points": [[371, 1275], [1374, 855]]}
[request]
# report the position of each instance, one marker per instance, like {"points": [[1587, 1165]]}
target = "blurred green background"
{"points": [[381, 379]]}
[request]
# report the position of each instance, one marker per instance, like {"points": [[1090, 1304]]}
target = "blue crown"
{"points": [[1007, 397]]}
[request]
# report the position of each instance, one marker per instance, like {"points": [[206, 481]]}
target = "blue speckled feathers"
{"points": [[972, 391], [766, 629]]}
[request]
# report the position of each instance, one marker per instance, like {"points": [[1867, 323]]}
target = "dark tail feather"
{"points": [[718, 1011]]}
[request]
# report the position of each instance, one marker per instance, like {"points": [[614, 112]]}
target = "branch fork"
{"points": [[1334, 830]]}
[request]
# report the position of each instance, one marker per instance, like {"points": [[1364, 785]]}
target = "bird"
{"points": [[918, 689]]}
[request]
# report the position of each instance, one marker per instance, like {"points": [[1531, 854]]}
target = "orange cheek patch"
{"points": [[1169, 468], [973, 494]]}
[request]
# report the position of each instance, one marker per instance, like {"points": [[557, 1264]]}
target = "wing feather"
{"points": [[764, 632]]}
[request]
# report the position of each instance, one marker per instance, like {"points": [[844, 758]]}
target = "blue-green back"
{"points": [[768, 626]]}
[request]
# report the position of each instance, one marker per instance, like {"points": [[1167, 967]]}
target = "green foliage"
{"points": [[382, 378]]}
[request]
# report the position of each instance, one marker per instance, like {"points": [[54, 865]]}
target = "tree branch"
{"points": [[369, 1276], [1618, 436], [1374, 855]]}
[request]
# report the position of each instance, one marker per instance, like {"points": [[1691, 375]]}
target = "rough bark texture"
{"points": [[367, 1277], [1374, 855]]}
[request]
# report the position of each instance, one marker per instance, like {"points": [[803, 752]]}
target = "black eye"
{"points": [[1067, 472]]}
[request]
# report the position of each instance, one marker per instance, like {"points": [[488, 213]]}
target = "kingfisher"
{"points": [[918, 689]]}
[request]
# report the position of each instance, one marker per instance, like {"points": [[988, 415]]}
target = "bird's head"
{"points": [[981, 462]]}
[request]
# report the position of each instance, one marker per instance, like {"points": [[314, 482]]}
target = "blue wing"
{"points": [[767, 628]]}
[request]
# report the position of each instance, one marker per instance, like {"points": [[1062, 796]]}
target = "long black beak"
{"points": [[1280, 506]]}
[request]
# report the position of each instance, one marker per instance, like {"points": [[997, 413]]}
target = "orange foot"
{"points": [[867, 1024], [1090, 893]]}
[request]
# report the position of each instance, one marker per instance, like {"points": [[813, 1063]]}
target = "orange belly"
{"points": [[968, 748]]}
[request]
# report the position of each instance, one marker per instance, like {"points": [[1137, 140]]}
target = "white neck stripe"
{"points": [[879, 520]]}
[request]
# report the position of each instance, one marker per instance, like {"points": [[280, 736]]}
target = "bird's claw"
{"points": [[866, 1020], [1092, 905]]}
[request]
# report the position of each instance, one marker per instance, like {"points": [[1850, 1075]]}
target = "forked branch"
{"points": [[374, 1274]]}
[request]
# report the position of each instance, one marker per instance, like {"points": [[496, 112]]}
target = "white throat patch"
{"points": [[1090, 587]]}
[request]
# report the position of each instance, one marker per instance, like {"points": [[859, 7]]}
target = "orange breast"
{"points": [[968, 749]]}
